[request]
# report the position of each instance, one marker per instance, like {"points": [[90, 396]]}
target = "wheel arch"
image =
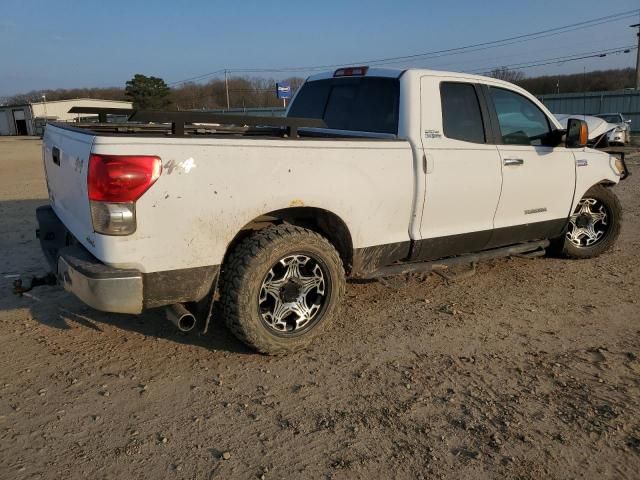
{"points": [[605, 182], [319, 220], [583, 187]]}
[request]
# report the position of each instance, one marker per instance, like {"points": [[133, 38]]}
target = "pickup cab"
{"points": [[373, 172]]}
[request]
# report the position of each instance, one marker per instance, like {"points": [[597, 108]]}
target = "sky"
{"points": [[72, 43]]}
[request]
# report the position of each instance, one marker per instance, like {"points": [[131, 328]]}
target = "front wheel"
{"points": [[594, 225], [280, 287]]}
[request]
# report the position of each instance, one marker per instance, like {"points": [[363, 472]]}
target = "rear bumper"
{"points": [[109, 290], [115, 289], [96, 284]]}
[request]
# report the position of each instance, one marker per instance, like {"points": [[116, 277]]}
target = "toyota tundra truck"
{"points": [[372, 172]]}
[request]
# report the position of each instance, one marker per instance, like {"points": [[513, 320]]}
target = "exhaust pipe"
{"points": [[181, 317]]}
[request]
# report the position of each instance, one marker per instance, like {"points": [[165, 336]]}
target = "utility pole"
{"points": [[226, 85], [637, 57]]}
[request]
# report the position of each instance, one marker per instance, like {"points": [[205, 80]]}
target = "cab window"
{"points": [[363, 104], [521, 121]]}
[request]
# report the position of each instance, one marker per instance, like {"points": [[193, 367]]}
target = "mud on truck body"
{"points": [[373, 172]]}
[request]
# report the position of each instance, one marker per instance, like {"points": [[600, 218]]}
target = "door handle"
{"points": [[55, 155], [513, 161]]}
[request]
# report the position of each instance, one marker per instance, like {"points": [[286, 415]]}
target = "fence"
{"points": [[256, 112], [626, 102]]}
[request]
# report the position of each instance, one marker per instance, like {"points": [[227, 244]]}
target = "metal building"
{"points": [[28, 119], [626, 102]]}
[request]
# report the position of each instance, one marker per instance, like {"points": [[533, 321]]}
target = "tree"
{"points": [[506, 74], [148, 93], [595, 81]]}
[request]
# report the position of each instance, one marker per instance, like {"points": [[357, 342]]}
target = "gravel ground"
{"points": [[528, 370]]}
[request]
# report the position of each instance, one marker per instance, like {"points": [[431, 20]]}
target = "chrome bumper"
{"points": [[120, 294]]}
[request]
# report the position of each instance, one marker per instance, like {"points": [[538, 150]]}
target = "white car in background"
{"points": [[623, 123], [601, 133]]}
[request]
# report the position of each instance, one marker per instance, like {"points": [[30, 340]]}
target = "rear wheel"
{"points": [[280, 288], [594, 225]]}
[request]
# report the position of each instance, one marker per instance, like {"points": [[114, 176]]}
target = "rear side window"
{"points": [[461, 117], [363, 104]]}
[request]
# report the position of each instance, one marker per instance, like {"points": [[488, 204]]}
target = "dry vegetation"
{"points": [[243, 92], [260, 92]]}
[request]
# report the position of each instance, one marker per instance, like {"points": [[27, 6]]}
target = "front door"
{"points": [[462, 170], [538, 180]]}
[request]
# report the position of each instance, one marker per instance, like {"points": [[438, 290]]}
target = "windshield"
{"points": [[611, 118], [362, 104]]}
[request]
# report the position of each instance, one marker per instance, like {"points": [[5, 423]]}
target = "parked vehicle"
{"points": [[602, 134], [624, 126], [373, 172]]}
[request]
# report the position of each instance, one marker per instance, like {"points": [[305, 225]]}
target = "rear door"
{"points": [[66, 158], [462, 169], [538, 180]]}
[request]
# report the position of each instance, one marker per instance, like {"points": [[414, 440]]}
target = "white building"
{"points": [[27, 119]]}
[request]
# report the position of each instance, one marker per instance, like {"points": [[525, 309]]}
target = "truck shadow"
{"points": [[51, 306], [63, 310]]}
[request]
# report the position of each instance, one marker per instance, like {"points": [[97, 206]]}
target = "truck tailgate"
{"points": [[66, 158]]}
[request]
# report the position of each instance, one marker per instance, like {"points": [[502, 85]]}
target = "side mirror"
{"points": [[577, 133], [627, 121]]}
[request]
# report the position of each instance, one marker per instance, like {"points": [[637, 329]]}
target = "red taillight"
{"points": [[121, 178], [351, 72]]}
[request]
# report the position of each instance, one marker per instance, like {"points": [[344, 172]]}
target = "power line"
{"points": [[471, 50], [479, 63], [199, 77], [468, 48], [515, 66], [557, 60], [440, 53]]}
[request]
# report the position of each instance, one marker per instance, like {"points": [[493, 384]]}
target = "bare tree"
{"points": [[244, 92], [596, 81], [261, 92], [506, 74]]}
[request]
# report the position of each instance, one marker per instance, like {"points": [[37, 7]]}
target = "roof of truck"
{"points": [[398, 72], [417, 73]]}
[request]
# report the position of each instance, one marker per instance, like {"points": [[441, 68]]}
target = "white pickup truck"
{"points": [[373, 172]]}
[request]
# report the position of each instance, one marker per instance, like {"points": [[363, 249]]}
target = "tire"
{"points": [[589, 233], [280, 288]]}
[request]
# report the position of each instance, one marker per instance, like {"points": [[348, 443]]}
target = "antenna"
{"points": [[584, 93], [637, 57]]}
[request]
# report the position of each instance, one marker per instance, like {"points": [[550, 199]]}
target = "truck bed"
{"points": [[160, 130], [185, 124], [212, 185]]}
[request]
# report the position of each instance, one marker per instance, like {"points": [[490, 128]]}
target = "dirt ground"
{"points": [[529, 370]]}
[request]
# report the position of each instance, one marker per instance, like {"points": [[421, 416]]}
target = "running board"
{"points": [[514, 250]]}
